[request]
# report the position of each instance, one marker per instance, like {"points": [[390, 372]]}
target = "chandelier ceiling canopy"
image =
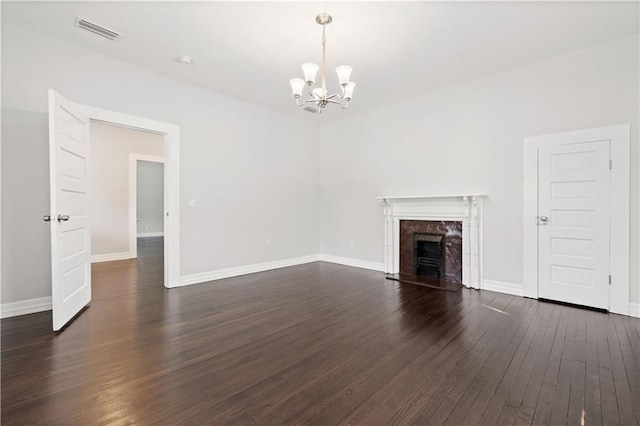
{"points": [[320, 96]]}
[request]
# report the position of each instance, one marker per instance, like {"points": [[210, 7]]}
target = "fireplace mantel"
{"points": [[466, 208]]}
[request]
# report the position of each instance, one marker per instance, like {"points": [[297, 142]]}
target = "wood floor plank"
{"points": [[593, 398], [624, 396], [315, 344], [607, 389], [539, 356], [576, 408], [562, 393], [550, 383]]}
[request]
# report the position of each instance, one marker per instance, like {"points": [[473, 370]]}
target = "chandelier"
{"points": [[319, 96]]}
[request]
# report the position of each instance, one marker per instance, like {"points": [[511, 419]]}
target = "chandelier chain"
{"points": [[324, 62]]}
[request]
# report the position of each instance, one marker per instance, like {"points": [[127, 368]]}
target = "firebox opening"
{"points": [[428, 255]]}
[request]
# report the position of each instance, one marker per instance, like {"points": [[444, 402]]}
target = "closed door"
{"points": [[573, 223], [70, 239]]}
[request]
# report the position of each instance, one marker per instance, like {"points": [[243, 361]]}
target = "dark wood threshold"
{"points": [[426, 282], [573, 305]]}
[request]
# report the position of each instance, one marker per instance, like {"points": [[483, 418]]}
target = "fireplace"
{"points": [[432, 249], [428, 255], [457, 219]]}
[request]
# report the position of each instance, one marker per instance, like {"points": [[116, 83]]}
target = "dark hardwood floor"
{"points": [[316, 344]]}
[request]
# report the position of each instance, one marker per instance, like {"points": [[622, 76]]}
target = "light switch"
{"points": [[192, 202]]}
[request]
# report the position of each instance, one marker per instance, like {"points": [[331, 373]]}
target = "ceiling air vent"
{"points": [[97, 29]]}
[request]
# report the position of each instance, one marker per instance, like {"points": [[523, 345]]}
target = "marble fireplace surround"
{"points": [[465, 208], [451, 232]]}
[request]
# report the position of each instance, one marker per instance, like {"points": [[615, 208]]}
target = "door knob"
{"points": [[543, 220], [63, 217], [46, 218]]}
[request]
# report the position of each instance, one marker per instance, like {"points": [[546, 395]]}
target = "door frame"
{"points": [[619, 185], [171, 133], [133, 198]]}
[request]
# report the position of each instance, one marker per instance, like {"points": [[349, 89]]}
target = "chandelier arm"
{"points": [[345, 106], [304, 102]]}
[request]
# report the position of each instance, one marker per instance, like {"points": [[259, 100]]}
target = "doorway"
{"points": [[171, 136], [69, 171], [113, 189], [146, 199], [576, 217]]}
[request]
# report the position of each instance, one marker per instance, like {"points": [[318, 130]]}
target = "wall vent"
{"points": [[310, 109], [97, 29]]}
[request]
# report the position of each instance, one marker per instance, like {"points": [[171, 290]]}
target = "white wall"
{"points": [[109, 183], [469, 139], [252, 172], [150, 197], [25, 199]]}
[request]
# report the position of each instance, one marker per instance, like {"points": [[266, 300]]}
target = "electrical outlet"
{"points": [[351, 244], [268, 242]]}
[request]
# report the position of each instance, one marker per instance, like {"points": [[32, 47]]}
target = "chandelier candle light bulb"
{"points": [[348, 90], [344, 73], [310, 70], [319, 95], [296, 85]]}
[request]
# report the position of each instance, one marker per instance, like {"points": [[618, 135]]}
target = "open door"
{"points": [[70, 237]]}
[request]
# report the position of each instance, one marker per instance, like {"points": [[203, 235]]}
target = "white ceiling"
{"points": [[250, 50]]}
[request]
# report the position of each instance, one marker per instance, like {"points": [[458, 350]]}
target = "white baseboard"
{"points": [[503, 287], [203, 277], [365, 264], [25, 307], [110, 257], [150, 234], [634, 310]]}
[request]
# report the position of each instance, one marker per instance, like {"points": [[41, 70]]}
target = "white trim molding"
{"points": [[619, 257], [465, 208], [348, 261], [503, 287], [171, 133], [109, 257], [150, 235], [204, 277], [634, 310], [24, 307]]}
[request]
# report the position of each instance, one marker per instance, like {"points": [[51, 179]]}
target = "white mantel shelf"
{"points": [[417, 197], [466, 208]]}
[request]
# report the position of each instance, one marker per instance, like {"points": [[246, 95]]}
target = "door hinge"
{"points": [[609, 279], [610, 164]]}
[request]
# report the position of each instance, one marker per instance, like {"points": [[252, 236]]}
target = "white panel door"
{"points": [[573, 231], [70, 238]]}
